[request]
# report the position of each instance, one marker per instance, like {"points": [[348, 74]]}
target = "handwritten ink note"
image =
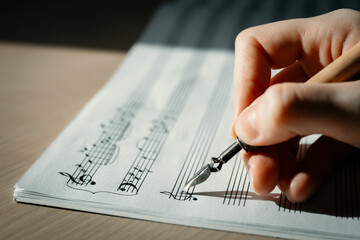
{"points": [[159, 119]]}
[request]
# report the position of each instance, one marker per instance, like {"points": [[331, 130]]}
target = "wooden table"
{"points": [[42, 88]]}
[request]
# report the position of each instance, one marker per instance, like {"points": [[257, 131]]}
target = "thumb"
{"points": [[289, 109]]}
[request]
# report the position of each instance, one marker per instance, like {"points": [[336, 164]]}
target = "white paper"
{"points": [[160, 118]]}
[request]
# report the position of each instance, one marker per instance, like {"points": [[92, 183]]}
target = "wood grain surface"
{"points": [[42, 89]]}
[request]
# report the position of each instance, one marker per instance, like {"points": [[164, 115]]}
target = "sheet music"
{"points": [[164, 113]]}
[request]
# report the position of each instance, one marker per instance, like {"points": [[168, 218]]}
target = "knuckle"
{"points": [[344, 11], [245, 36]]}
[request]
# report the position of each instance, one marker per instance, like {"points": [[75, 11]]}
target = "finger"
{"points": [[280, 44], [293, 73], [290, 109], [266, 176], [263, 169], [259, 49], [288, 163], [318, 164]]}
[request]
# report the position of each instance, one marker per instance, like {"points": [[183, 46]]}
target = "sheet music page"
{"points": [[164, 113]]}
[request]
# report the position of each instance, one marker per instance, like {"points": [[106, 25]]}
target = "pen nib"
{"points": [[199, 177]]}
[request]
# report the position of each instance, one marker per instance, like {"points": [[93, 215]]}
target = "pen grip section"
{"points": [[230, 152]]}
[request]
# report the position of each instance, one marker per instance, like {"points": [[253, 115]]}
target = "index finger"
{"points": [[257, 51]]}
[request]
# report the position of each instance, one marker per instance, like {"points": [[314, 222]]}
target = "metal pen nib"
{"points": [[199, 177], [203, 174]]}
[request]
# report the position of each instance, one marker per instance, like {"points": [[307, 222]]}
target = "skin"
{"points": [[274, 112]]}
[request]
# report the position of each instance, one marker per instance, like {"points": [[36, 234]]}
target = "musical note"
{"points": [[69, 176], [133, 176], [87, 179], [84, 179], [159, 126], [162, 123], [144, 146], [180, 196], [138, 169], [131, 188]]}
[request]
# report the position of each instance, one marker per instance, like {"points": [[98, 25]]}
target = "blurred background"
{"points": [[116, 25], [110, 24]]}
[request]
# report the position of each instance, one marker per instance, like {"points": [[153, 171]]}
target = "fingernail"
{"points": [[251, 118], [245, 127]]}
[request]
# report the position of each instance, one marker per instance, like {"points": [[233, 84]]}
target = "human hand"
{"points": [[270, 112]]}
